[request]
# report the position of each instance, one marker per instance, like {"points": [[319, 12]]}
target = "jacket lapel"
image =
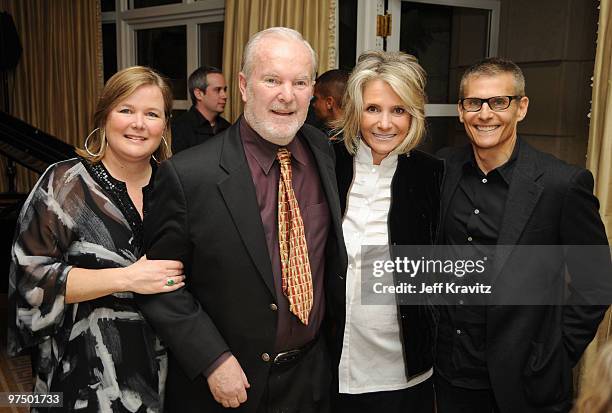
{"points": [[238, 191], [327, 175], [523, 196]]}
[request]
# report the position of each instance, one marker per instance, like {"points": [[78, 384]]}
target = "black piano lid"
{"points": [[31, 147]]}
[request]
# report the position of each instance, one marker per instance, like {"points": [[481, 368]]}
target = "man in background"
{"points": [[208, 93], [327, 100]]}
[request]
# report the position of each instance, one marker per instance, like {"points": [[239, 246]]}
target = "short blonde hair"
{"points": [[597, 398], [118, 88], [404, 75]]}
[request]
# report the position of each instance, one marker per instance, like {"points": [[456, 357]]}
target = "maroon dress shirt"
{"points": [[265, 171]]}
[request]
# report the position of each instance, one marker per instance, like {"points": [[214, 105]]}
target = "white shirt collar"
{"points": [[364, 156]]}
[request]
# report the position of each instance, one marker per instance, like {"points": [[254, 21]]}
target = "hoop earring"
{"points": [[102, 143], [165, 144]]}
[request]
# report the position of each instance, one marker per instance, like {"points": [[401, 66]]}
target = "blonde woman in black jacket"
{"points": [[389, 195]]}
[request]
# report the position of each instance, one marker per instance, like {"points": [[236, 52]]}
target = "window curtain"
{"points": [[599, 160], [315, 19], [59, 76]]}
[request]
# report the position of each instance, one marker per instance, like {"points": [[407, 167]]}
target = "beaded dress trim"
{"points": [[117, 191]]}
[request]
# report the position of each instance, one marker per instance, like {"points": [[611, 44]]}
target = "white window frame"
{"points": [[367, 10], [189, 13], [494, 7]]}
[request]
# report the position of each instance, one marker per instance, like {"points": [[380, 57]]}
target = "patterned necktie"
{"points": [[295, 266]]}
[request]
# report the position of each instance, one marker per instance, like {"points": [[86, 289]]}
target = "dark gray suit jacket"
{"points": [[205, 214], [530, 350]]}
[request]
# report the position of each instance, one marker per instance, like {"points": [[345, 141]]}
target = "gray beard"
{"points": [[265, 132]]}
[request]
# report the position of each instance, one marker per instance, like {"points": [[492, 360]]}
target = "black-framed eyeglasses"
{"points": [[496, 103]]}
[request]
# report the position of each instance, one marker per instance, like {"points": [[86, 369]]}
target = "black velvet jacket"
{"points": [[413, 220]]}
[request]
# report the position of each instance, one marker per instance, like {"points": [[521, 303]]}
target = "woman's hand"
{"points": [[154, 276]]}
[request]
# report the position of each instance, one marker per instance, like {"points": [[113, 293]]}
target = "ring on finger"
{"points": [[170, 282]]}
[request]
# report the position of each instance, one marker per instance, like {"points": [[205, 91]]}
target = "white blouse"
{"points": [[372, 356]]}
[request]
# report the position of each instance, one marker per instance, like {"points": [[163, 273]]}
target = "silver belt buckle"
{"points": [[286, 356]]}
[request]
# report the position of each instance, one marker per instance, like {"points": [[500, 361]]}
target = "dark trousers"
{"points": [[453, 399], [302, 386], [416, 399]]}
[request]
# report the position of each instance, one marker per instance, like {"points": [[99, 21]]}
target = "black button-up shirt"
{"points": [[191, 128], [474, 219]]}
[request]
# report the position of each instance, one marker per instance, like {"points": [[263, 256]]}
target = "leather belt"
{"points": [[291, 356]]}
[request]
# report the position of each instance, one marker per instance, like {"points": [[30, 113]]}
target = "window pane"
{"points": [[211, 44], [139, 4], [165, 50], [107, 5], [445, 39], [109, 49], [347, 34]]}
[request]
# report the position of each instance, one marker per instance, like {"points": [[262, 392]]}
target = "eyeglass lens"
{"points": [[496, 103]]}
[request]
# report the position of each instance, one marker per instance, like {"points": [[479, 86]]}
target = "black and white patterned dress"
{"points": [[101, 354]]}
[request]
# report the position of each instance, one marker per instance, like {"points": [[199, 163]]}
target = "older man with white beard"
{"points": [[253, 214]]}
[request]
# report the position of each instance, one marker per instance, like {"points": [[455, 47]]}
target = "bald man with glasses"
{"points": [[507, 352]]}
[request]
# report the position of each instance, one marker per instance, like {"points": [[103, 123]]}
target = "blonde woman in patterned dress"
{"points": [[76, 259]]}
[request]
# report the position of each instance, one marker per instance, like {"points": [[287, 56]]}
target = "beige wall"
{"points": [[554, 43]]}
